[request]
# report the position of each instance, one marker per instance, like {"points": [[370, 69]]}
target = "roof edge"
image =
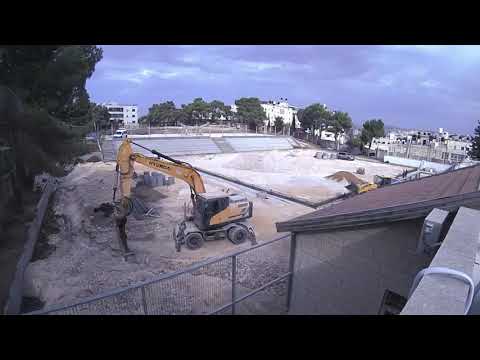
{"points": [[395, 213]]}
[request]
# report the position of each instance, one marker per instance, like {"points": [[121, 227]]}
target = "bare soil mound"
{"points": [[346, 176]]}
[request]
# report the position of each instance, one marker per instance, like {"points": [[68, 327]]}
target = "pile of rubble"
{"points": [[340, 176]]}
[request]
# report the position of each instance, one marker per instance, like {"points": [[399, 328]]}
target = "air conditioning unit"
{"points": [[430, 237]]}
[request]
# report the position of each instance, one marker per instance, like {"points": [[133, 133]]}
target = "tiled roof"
{"points": [[415, 193]]}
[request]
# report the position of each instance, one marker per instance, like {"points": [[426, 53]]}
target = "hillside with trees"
{"points": [[45, 107]]}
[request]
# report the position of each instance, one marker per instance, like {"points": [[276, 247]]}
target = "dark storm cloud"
{"points": [[409, 86]]}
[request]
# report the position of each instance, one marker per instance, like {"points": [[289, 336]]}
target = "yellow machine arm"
{"points": [[183, 171]]}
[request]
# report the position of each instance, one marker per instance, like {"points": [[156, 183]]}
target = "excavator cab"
{"points": [[212, 211], [207, 207]]}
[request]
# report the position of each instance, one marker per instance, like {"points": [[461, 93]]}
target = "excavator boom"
{"points": [[126, 157]]}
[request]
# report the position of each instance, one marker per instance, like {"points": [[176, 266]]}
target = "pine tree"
{"points": [[474, 152]]}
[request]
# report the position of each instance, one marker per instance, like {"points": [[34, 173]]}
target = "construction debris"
{"points": [[262, 195], [155, 179], [346, 176], [106, 208], [93, 158], [140, 210]]}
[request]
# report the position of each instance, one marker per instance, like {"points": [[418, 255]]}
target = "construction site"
{"points": [[78, 255]]}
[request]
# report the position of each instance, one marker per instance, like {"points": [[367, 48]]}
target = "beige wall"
{"points": [[347, 272]]}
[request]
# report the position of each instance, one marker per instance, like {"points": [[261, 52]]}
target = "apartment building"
{"points": [[425, 145], [274, 109], [123, 115]]}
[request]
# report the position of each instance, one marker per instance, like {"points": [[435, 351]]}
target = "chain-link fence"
{"points": [[250, 281]]}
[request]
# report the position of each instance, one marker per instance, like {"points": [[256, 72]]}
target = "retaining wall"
{"points": [[438, 294], [415, 163], [14, 301]]}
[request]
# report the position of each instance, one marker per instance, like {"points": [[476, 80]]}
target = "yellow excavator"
{"points": [[214, 216]]}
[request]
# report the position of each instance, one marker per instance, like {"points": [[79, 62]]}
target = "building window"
{"points": [[133, 121], [133, 109], [115, 109], [133, 115]]}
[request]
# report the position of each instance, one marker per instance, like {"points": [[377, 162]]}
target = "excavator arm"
{"points": [[180, 170]]}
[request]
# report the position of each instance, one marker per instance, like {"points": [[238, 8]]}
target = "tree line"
{"points": [[249, 112], [44, 106]]}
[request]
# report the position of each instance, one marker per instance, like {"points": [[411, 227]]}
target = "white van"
{"points": [[120, 134]]}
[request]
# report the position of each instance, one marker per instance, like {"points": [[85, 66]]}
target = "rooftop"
{"points": [[400, 201], [110, 103]]}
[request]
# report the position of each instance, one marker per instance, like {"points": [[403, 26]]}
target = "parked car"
{"points": [[345, 156], [91, 137], [120, 134]]}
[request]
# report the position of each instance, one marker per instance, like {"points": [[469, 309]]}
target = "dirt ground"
{"points": [[82, 258], [294, 172], [85, 261]]}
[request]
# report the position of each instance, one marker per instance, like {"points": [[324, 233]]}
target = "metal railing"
{"points": [[255, 280]]}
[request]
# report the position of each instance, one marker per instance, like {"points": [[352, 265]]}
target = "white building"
{"points": [[125, 115], [442, 133], [275, 109], [330, 136]]}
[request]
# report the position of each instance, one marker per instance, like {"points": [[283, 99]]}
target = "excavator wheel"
{"points": [[237, 235], [194, 241]]}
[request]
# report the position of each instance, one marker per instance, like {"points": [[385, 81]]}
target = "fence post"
{"points": [[234, 279], [144, 301], [291, 267]]}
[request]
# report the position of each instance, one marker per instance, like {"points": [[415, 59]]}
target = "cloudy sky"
{"points": [[407, 86]]}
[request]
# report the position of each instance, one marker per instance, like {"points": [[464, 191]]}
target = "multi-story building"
{"points": [[426, 145], [123, 115], [274, 109], [330, 136]]}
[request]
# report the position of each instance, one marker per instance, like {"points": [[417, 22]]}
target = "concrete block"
{"points": [[443, 294], [157, 179], [422, 303], [460, 241], [454, 260], [147, 179]]}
